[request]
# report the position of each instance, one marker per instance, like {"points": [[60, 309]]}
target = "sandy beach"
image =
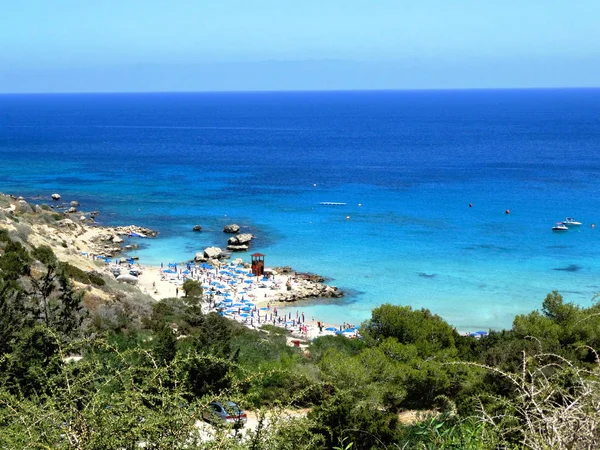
{"points": [[256, 297]]}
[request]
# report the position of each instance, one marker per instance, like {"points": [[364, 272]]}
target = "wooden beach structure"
{"points": [[258, 264]]}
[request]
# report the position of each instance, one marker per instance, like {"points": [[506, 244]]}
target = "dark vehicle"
{"points": [[225, 413]]}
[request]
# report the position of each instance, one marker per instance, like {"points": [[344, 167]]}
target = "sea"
{"points": [[448, 197]]}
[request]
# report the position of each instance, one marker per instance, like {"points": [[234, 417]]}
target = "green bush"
{"points": [[75, 273]]}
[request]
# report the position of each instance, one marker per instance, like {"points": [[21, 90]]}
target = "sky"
{"points": [[229, 45]]}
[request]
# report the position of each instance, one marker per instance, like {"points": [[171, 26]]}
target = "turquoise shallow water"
{"points": [[407, 165]]}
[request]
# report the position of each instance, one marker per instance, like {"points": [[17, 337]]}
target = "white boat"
{"points": [[569, 221], [560, 226], [332, 203]]}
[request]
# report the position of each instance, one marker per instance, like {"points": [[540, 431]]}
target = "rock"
{"points": [[74, 203], [212, 252], [23, 207], [82, 218], [94, 213], [237, 248], [197, 228], [71, 210], [240, 239], [232, 228], [56, 197], [117, 240]]}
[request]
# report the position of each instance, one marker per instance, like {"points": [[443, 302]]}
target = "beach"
{"points": [[229, 287]]}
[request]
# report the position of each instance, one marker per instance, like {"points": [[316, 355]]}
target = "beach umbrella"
{"points": [[221, 313], [244, 315], [248, 281], [264, 308], [264, 279], [249, 303], [233, 282], [290, 322], [186, 271], [227, 294], [214, 283], [339, 332], [331, 329], [250, 275], [238, 304], [247, 309], [206, 266], [221, 286]]}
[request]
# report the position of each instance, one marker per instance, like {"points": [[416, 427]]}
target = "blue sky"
{"points": [[186, 45]]}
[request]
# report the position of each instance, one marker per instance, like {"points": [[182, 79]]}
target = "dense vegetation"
{"points": [[145, 376]]}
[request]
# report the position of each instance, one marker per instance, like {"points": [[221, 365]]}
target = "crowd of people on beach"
{"points": [[233, 291]]}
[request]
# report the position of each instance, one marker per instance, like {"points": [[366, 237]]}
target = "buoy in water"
{"points": [[507, 211], [347, 217], [470, 205]]}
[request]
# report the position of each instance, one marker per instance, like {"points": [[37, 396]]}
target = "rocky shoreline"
{"points": [[74, 233]]}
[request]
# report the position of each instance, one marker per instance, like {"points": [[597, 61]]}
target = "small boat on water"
{"points": [[560, 226], [332, 203], [569, 221]]}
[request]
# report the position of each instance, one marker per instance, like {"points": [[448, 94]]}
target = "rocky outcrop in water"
{"points": [[232, 228], [239, 243], [305, 289]]}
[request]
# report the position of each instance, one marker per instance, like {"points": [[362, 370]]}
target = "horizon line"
{"points": [[252, 91]]}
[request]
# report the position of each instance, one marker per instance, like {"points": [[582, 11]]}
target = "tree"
{"points": [[428, 332], [165, 346], [193, 291]]}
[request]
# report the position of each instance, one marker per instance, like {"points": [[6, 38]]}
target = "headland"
{"points": [[229, 286]]}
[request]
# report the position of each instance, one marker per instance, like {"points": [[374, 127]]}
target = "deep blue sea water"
{"points": [[407, 165]]}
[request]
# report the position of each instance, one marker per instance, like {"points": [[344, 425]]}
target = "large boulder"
{"points": [[74, 203], [212, 252], [23, 207], [56, 197], [231, 228], [240, 239], [72, 210]]}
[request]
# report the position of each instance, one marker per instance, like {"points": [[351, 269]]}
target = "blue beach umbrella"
{"points": [[206, 266], [248, 281], [250, 275], [264, 308], [238, 304], [289, 322], [249, 304], [244, 315], [247, 309], [331, 329]]}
